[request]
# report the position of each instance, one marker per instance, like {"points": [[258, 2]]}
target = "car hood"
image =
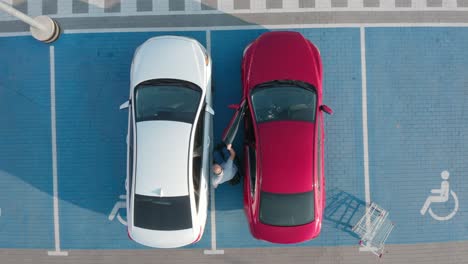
{"points": [[162, 158], [169, 57], [281, 56], [286, 150]]}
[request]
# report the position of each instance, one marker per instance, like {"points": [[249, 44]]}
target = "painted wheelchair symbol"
{"points": [[115, 211], [442, 196]]}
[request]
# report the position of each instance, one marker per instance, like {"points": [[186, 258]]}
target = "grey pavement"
{"points": [[249, 19], [82, 7], [447, 253], [105, 14]]}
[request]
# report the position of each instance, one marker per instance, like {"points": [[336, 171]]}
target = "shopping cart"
{"points": [[373, 229]]}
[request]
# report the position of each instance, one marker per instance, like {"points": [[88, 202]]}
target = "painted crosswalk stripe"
{"points": [[320, 4]]}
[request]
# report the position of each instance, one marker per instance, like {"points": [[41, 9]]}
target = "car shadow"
{"points": [[91, 130]]}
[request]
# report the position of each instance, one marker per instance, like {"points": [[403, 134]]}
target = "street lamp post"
{"points": [[43, 28]]}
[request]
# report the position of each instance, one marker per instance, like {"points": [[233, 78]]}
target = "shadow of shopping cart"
{"points": [[369, 223]]}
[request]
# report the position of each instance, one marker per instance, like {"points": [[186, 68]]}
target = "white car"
{"points": [[169, 136]]}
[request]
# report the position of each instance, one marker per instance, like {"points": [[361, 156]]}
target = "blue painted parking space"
{"points": [[26, 219], [417, 126], [342, 85], [91, 135], [418, 123]]}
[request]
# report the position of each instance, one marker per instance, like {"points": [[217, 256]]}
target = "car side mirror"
{"points": [[326, 109], [233, 106], [124, 105], [209, 110]]}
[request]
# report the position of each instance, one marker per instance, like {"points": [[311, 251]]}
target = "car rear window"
{"points": [[286, 209], [162, 213]]}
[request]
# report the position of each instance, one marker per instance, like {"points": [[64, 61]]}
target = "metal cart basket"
{"points": [[373, 229]]}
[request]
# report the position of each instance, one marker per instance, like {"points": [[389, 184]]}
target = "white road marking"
{"points": [[355, 4], [15, 34], [418, 4], [438, 196], [449, 216], [293, 4], [220, 28], [284, 26], [128, 7], [322, 5], [449, 3], [387, 4], [57, 251], [115, 210], [5, 16], [97, 3], [64, 8], [255, 6], [364, 122], [96, 7], [34, 10], [213, 250], [161, 7], [226, 6], [193, 6]]}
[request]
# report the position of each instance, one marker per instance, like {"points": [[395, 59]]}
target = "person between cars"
{"points": [[224, 168]]}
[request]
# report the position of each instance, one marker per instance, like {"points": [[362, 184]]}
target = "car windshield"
{"points": [[174, 101], [162, 213], [283, 102], [286, 209]]}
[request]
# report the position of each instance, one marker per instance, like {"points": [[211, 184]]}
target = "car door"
{"points": [[321, 158], [250, 155], [130, 140], [231, 130]]}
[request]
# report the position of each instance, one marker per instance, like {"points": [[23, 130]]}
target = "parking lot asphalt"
{"points": [[398, 92], [415, 127]]}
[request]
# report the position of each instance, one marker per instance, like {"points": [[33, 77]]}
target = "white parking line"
{"points": [[364, 113], [213, 250], [249, 27], [57, 251], [364, 120]]}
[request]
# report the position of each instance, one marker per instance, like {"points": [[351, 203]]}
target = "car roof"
{"points": [[169, 57], [162, 151], [286, 152]]}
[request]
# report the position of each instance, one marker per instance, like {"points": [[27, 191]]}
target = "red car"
{"points": [[284, 185]]}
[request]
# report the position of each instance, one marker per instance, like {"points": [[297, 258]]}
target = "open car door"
{"points": [[231, 130]]}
